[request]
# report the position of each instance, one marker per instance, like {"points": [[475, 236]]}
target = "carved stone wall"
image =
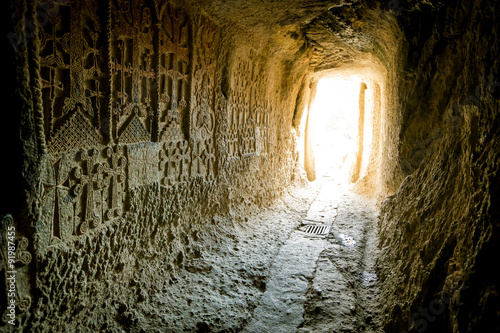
{"points": [[74, 77], [248, 109], [143, 155], [128, 97]]}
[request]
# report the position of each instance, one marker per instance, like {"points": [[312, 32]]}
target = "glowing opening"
{"points": [[334, 127]]}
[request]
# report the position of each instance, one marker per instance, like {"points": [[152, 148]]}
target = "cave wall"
{"points": [[439, 231], [147, 124]]}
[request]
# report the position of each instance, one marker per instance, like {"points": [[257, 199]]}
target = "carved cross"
{"points": [[115, 175], [57, 199], [196, 159], [87, 177], [209, 157], [184, 161]]}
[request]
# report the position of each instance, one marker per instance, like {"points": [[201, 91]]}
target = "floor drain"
{"points": [[316, 229]]}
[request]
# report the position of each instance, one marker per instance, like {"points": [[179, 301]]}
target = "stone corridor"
{"points": [[164, 159]]}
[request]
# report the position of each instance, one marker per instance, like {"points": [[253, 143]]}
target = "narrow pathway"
{"points": [[325, 284]]}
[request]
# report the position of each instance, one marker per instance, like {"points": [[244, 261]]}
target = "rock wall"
{"points": [[146, 126], [439, 231]]}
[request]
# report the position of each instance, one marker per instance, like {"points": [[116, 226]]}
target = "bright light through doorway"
{"points": [[334, 126]]}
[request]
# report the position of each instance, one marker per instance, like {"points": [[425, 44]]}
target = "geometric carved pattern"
{"points": [[134, 131], [248, 112], [173, 71], [132, 68], [129, 73], [76, 133], [202, 122], [73, 73], [80, 191], [174, 162]]}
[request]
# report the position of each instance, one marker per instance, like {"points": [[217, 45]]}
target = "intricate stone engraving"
{"points": [[239, 103], [73, 76], [88, 178], [132, 69], [202, 122], [58, 198], [174, 32], [115, 177], [248, 112], [142, 164], [175, 161]]}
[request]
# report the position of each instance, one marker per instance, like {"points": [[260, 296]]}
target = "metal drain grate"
{"points": [[316, 229]]}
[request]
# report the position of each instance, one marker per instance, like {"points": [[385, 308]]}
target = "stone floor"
{"points": [[270, 276], [325, 284]]}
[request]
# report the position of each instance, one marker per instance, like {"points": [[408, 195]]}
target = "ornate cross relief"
{"points": [[248, 114], [174, 162], [131, 73], [239, 102], [58, 197], [132, 69], [73, 76], [114, 178], [202, 120], [257, 134], [80, 191], [174, 49]]}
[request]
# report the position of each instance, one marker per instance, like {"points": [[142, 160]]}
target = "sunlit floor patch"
{"points": [[347, 240]]}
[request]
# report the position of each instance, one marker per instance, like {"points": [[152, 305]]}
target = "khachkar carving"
{"points": [[256, 135], [202, 119], [73, 76], [174, 31], [175, 162], [114, 180], [245, 109], [248, 110], [132, 69], [238, 103], [80, 191], [14, 257], [57, 199]]}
